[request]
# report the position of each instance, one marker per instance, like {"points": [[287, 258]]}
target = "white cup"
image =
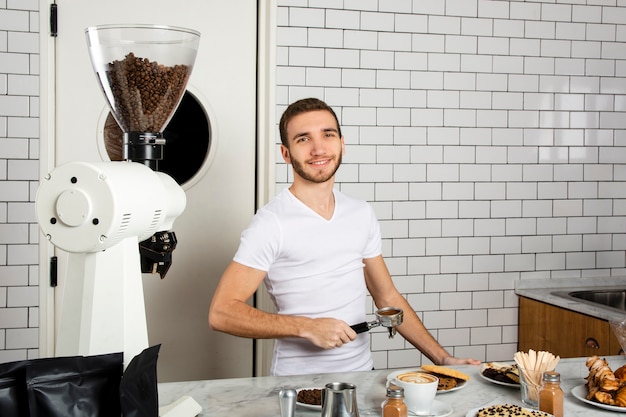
{"points": [[420, 389]]}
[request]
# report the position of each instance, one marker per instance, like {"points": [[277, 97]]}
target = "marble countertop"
{"points": [[545, 290], [258, 397]]}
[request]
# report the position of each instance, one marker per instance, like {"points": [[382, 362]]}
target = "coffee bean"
{"points": [[145, 93]]}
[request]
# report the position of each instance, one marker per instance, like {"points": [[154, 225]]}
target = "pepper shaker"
{"points": [[287, 402]]}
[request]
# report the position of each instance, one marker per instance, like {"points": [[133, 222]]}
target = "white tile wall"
{"points": [[19, 173], [489, 136]]}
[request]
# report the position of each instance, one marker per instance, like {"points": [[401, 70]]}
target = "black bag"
{"points": [[81, 386], [138, 390], [85, 386], [76, 386], [13, 399]]}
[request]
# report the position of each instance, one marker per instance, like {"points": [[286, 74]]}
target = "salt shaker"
{"points": [[287, 402]]}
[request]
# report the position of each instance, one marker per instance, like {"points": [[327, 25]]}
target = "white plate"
{"points": [[580, 392], [309, 406], [493, 381], [460, 384], [474, 412], [438, 409]]}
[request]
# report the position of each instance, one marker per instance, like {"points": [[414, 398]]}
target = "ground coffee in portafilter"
{"points": [[145, 93]]}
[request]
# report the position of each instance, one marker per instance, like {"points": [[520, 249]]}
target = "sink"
{"points": [[613, 298], [609, 298]]}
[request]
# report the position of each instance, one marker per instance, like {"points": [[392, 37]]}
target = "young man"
{"points": [[319, 253]]}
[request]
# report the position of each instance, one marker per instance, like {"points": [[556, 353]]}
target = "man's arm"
{"points": [[230, 313], [385, 294]]}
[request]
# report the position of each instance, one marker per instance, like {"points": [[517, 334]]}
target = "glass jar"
{"points": [[551, 394], [394, 405]]}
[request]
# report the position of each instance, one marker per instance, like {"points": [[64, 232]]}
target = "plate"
{"points": [[308, 406], [474, 411], [580, 392], [438, 409], [460, 384], [493, 381]]}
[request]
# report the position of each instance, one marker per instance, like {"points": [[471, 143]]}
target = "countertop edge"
{"points": [[544, 290]]}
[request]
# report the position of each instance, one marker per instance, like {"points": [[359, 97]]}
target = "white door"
{"points": [[220, 195]]}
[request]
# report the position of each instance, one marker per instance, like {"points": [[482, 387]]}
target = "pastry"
{"points": [[601, 375], [501, 372], [604, 385], [620, 396], [508, 410], [445, 371], [620, 373]]}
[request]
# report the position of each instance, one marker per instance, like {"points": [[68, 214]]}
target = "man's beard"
{"points": [[320, 178]]}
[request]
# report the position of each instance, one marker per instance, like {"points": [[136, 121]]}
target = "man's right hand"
{"points": [[328, 333]]}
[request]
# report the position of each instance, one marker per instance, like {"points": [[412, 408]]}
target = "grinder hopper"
{"points": [[143, 71]]}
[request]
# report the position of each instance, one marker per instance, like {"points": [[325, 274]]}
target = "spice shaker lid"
{"points": [[551, 376], [394, 391]]}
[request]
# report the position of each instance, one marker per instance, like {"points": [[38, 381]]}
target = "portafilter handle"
{"points": [[365, 326]]}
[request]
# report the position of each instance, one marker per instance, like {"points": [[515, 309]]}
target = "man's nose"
{"points": [[317, 145]]}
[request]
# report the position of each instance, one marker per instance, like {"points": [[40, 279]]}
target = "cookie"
{"points": [[446, 383], [445, 371]]}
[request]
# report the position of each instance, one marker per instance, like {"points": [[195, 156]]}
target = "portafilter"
{"points": [[388, 317]]}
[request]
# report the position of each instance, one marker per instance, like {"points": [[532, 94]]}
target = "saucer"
{"points": [[438, 409]]}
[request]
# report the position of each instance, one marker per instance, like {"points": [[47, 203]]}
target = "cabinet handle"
{"points": [[592, 343]]}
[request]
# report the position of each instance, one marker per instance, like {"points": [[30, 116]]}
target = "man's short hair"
{"points": [[304, 105]]}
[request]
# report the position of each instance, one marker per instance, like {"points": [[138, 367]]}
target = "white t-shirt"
{"points": [[314, 269]]}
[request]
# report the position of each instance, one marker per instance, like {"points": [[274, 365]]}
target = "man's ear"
{"points": [[285, 153]]}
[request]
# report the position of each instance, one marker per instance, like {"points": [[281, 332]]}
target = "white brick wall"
{"points": [[19, 173], [489, 137]]}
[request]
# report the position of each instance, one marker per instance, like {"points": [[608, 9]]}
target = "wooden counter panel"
{"points": [[563, 332]]}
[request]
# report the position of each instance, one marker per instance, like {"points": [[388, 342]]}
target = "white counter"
{"points": [[543, 290], [258, 397]]}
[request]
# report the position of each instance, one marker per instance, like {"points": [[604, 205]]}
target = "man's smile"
{"points": [[320, 162]]}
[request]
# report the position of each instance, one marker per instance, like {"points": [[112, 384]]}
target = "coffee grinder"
{"points": [[114, 218]]}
